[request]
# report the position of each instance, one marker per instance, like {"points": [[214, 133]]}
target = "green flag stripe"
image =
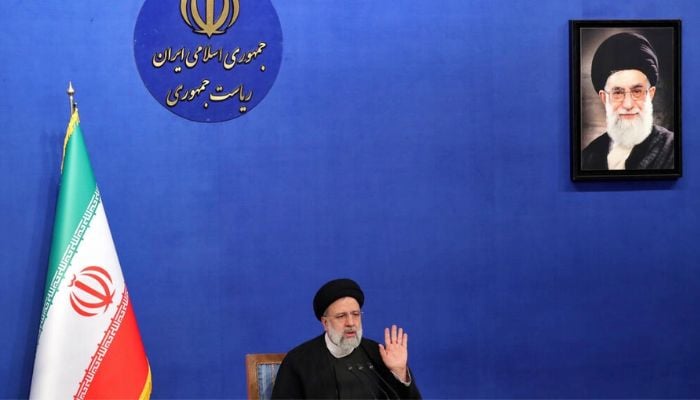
{"points": [[77, 201]]}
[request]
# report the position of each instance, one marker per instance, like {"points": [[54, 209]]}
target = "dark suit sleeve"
{"points": [[403, 391], [412, 391]]}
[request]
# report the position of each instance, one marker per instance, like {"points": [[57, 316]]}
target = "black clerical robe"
{"points": [[309, 371], [655, 152]]}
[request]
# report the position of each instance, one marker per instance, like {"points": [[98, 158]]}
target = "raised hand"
{"points": [[394, 352]]}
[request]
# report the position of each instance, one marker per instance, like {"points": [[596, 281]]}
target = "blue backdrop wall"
{"points": [[419, 147]]}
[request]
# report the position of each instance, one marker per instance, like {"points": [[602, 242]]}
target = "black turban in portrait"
{"points": [[624, 51], [334, 290]]}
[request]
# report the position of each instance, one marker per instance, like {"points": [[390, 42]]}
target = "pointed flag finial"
{"points": [[71, 93]]}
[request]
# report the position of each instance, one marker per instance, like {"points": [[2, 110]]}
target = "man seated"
{"points": [[340, 363]]}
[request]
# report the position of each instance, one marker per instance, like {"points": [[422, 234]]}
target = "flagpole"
{"points": [[77, 358], [71, 93]]}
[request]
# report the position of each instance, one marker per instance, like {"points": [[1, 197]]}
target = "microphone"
{"points": [[362, 368], [371, 368], [364, 382]]}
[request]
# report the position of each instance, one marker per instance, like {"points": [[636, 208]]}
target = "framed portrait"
{"points": [[625, 99]]}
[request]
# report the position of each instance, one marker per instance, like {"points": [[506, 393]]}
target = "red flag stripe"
{"points": [[119, 368]]}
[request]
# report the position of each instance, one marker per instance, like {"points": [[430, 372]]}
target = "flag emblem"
{"points": [[92, 291]]}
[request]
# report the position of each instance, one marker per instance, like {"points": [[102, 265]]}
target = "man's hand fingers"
{"points": [[395, 336]]}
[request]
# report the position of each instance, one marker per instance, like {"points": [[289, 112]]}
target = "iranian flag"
{"points": [[89, 344]]}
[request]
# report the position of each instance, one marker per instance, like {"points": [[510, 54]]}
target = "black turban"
{"points": [[624, 51], [335, 290]]}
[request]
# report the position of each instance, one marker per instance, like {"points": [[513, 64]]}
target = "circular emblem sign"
{"points": [[208, 60]]}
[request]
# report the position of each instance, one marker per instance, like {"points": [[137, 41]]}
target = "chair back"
{"points": [[261, 371]]}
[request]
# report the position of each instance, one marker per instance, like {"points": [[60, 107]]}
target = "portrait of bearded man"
{"points": [[625, 74]]}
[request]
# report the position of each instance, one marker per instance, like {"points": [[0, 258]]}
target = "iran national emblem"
{"points": [[211, 24], [91, 291]]}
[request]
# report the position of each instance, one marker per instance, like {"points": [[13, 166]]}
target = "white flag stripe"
{"points": [[69, 339]]}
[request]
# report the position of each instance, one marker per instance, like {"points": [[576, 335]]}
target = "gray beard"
{"points": [[630, 133], [346, 345]]}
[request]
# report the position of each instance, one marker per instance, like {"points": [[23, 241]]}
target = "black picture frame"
{"points": [[588, 107]]}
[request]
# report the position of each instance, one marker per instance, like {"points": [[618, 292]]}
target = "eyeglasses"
{"points": [[342, 316], [618, 94]]}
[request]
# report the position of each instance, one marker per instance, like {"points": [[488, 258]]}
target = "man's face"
{"points": [[343, 322], [628, 107], [626, 92]]}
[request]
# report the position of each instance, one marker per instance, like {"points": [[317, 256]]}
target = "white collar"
{"points": [[618, 156]]}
